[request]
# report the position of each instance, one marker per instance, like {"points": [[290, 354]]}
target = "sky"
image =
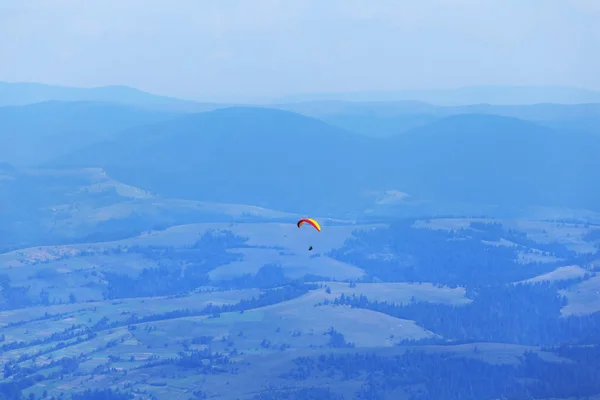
{"points": [[253, 49]]}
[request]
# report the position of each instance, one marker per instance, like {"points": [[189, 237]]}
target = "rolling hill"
{"points": [[181, 299], [38, 132], [259, 156], [497, 160], [44, 206], [388, 118], [65, 319], [282, 160], [374, 119]]}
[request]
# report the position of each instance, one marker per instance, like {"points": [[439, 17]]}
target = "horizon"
{"points": [[336, 96], [269, 49]]}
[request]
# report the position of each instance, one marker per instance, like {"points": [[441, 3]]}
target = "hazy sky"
{"points": [[221, 49]]}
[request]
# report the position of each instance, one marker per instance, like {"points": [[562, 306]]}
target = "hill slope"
{"points": [[498, 160], [387, 118], [285, 161], [44, 206], [255, 155], [35, 133]]}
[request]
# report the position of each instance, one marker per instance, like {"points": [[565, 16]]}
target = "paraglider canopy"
{"points": [[309, 221]]}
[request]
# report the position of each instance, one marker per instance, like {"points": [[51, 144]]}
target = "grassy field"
{"points": [[584, 297], [62, 270], [256, 372], [400, 292], [295, 265], [30, 319], [283, 323], [569, 234], [288, 327], [559, 274]]}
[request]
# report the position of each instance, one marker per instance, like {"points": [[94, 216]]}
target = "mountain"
{"points": [[376, 108], [375, 119], [498, 160], [387, 118], [21, 93], [583, 117], [35, 133], [286, 161], [375, 114], [504, 95], [254, 155]]}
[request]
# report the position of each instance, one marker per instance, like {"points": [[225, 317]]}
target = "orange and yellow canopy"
{"points": [[309, 221]]}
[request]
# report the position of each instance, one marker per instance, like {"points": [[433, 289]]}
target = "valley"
{"points": [[162, 260]]}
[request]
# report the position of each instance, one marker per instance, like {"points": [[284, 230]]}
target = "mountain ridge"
{"points": [[37, 132], [245, 144], [387, 118], [273, 158], [21, 93], [499, 95]]}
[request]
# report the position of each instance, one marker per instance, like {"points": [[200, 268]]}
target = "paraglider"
{"points": [[312, 222]]}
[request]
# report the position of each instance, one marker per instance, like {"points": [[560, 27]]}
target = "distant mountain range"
{"points": [[35, 133], [377, 114], [389, 118], [318, 156], [286, 161], [22, 93], [503, 95]]}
